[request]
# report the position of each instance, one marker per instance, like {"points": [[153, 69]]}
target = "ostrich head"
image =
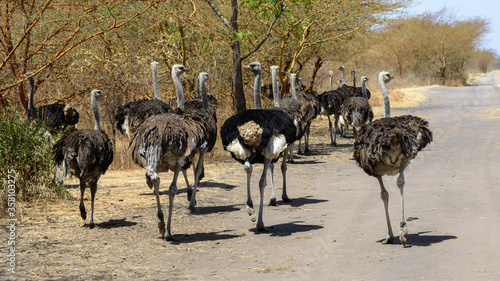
{"points": [[385, 76], [330, 74], [364, 78], [254, 67], [203, 77], [342, 68], [178, 70]]}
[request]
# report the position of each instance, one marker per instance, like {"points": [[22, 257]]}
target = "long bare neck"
{"points": [[385, 94], [276, 92], [256, 90], [363, 89], [343, 76], [32, 93], [330, 73], [156, 85], [178, 89], [97, 115], [204, 96], [353, 78], [292, 85]]}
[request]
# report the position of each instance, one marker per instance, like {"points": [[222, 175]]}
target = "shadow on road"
{"points": [[288, 229]]}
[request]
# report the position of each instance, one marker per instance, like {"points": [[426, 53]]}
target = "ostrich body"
{"points": [[87, 154], [258, 136], [386, 146], [56, 117], [356, 111], [130, 116]]}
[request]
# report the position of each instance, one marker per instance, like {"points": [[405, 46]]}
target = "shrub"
{"points": [[27, 150]]}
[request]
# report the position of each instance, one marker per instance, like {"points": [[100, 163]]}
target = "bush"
{"points": [[25, 149]]}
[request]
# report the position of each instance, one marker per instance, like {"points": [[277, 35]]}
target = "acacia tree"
{"points": [[234, 35], [37, 35]]}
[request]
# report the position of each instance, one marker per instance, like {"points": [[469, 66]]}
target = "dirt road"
{"points": [[331, 231]]}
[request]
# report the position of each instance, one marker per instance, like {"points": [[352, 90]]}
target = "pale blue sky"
{"points": [[487, 9]]}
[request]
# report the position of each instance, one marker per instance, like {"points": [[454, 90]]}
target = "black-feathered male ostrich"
{"points": [[258, 136], [88, 154], [386, 146], [356, 111]]}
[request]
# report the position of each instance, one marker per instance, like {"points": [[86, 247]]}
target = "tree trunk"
{"points": [[239, 94]]}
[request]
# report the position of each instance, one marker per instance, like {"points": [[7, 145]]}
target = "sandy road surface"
{"points": [[331, 231]]}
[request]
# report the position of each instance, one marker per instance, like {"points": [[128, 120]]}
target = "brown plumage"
{"points": [[55, 117], [86, 154], [356, 111], [386, 146], [330, 102]]}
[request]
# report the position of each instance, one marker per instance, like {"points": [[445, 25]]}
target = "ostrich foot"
{"points": [[291, 161], [388, 240], [307, 150], [262, 228], [333, 144], [286, 199], [251, 213], [272, 202], [403, 232], [193, 209], [300, 152], [91, 225], [170, 237]]}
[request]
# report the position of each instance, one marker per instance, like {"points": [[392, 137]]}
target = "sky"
{"points": [[464, 9]]}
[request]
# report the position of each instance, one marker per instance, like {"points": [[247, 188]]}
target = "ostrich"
{"points": [[330, 103], [309, 108], [167, 142], [56, 117], [258, 136], [386, 146], [131, 115], [293, 108], [203, 116], [356, 111], [330, 74], [87, 154], [351, 91]]}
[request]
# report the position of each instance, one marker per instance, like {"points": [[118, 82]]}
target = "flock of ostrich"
{"points": [[166, 139]]}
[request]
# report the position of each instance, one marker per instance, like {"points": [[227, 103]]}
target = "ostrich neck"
{"points": [[97, 115], [156, 85], [276, 93], [331, 82], [343, 76], [256, 91], [353, 79], [387, 104], [178, 90], [203, 90], [32, 93], [292, 85], [363, 89]]}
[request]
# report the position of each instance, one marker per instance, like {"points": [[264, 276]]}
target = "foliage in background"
{"points": [[25, 149]]}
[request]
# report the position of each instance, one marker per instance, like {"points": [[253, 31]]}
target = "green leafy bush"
{"points": [[25, 149]]}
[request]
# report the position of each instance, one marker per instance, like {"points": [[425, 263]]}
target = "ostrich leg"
{"points": [[83, 213], [272, 202], [401, 183], [284, 196], [262, 186], [250, 209], [155, 181], [197, 174], [189, 190], [93, 190], [172, 190], [306, 138], [385, 197], [334, 142]]}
